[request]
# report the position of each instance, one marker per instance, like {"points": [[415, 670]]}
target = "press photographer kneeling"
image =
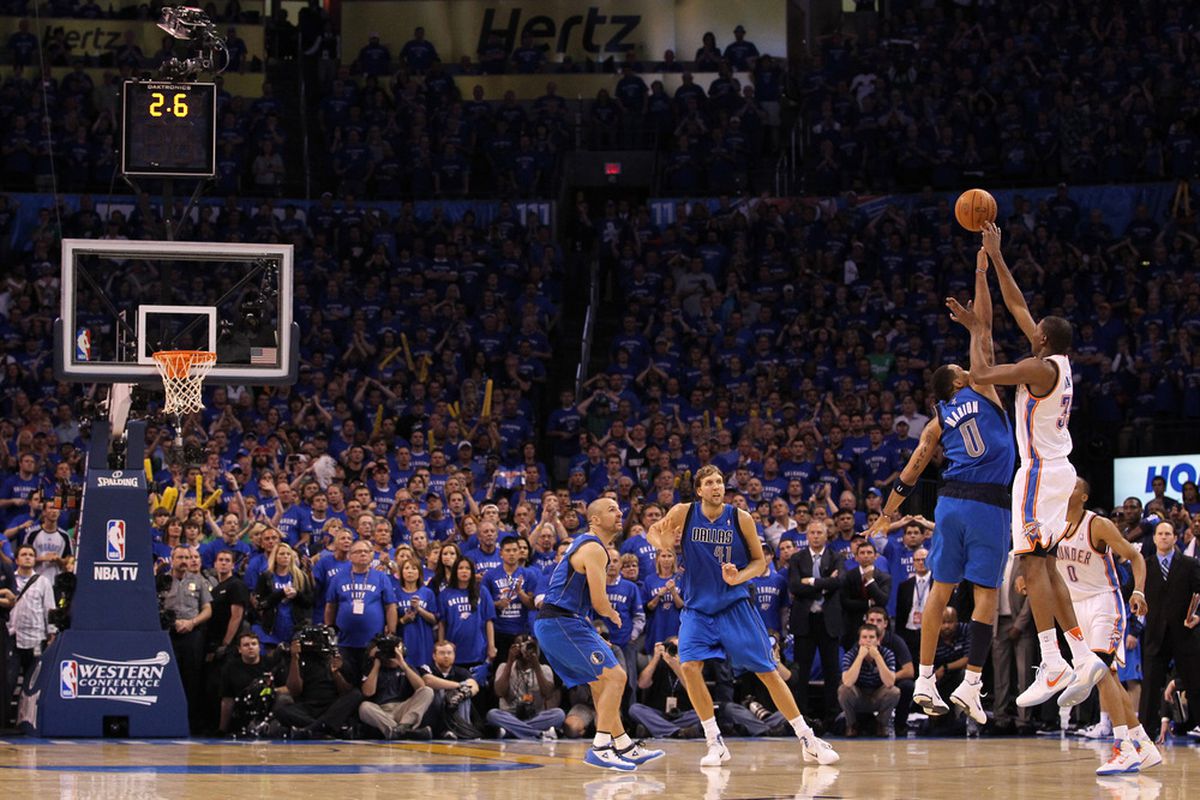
{"points": [[320, 700], [395, 696]]}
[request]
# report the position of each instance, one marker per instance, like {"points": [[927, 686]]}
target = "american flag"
{"points": [[263, 356]]}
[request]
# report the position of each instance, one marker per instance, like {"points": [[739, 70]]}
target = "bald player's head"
{"points": [[604, 518]]}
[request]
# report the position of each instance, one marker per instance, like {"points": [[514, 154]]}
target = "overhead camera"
{"points": [[208, 52], [184, 22]]}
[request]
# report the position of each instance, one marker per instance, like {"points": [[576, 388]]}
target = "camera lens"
{"points": [[672, 649]]}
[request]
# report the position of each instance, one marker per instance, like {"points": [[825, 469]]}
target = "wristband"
{"points": [[903, 489], [1138, 591]]}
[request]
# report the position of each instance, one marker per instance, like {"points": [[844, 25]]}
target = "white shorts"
{"points": [[1102, 621], [1041, 491]]}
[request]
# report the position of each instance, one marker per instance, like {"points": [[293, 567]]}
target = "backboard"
{"points": [[123, 300]]}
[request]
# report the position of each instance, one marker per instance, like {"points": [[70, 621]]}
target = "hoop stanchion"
{"points": [[183, 373]]}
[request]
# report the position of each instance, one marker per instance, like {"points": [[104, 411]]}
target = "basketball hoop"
{"points": [[183, 374]]}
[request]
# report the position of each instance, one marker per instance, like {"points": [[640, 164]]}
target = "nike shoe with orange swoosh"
{"points": [[1050, 681]]}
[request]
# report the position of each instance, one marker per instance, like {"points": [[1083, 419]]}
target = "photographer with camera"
{"points": [[666, 711], [452, 714], [244, 684], [528, 697], [320, 697], [395, 698], [753, 715]]}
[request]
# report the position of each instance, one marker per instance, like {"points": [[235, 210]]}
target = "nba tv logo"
{"points": [[115, 538], [68, 679]]}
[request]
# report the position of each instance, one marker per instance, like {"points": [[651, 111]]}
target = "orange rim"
{"points": [[175, 364]]}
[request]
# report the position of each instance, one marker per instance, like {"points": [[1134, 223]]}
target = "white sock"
{"points": [[1105, 719], [711, 731], [1080, 652], [1051, 656], [1120, 732], [926, 671], [601, 739], [800, 726], [1138, 734], [972, 678], [622, 742]]}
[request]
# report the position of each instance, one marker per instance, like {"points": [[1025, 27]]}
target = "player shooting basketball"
{"points": [[1044, 481]]}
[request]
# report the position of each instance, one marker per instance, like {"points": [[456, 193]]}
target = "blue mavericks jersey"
{"points": [[706, 545], [568, 589], [977, 439]]}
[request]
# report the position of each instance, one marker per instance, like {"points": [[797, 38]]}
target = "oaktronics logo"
{"points": [[134, 681], [117, 479]]}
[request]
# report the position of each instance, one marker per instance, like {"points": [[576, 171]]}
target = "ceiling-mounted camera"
{"points": [[207, 51]]}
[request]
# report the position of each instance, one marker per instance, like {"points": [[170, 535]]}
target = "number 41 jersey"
{"points": [[976, 439]]}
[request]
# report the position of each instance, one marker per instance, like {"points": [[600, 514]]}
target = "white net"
{"points": [[183, 373]]}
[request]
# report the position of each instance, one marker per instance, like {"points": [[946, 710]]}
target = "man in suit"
{"points": [[816, 618], [1014, 646], [910, 601], [862, 587], [1171, 633]]}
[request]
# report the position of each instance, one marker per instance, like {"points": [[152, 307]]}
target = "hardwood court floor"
{"points": [[762, 769]]}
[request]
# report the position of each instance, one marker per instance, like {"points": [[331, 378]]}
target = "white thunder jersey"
{"points": [[1042, 432], [1088, 572]]}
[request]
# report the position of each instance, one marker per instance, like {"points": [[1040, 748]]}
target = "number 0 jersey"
{"points": [[1042, 432], [976, 439], [1087, 571]]}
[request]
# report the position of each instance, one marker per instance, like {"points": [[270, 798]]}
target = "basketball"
{"points": [[974, 208]]}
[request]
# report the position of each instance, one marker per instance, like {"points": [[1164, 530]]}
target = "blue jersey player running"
{"points": [[973, 515], [720, 554], [578, 585]]}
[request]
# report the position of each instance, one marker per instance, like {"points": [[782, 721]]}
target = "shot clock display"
{"points": [[169, 129]]}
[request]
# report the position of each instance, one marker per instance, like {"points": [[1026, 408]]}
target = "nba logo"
{"points": [[116, 540], [68, 679], [83, 345]]}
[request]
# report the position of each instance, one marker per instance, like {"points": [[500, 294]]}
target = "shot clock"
{"points": [[169, 129]]}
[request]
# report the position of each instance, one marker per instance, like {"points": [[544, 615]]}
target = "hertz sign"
{"points": [[596, 30]]}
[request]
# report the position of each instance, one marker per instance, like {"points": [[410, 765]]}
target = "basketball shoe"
{"points": [[818, 750], [1049, 682], [639, 754], [607, 758], [968, 697], [1148, 753], [717, 753], [1124, 758], [925, 694], [1087, 675]]}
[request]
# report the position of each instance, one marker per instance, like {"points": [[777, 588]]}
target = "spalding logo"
{"points": [[117, 479]]}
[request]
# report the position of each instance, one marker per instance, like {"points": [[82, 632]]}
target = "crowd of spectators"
{"points": [[788, 343], [809, 400], [64, 131], [1020, 92]]}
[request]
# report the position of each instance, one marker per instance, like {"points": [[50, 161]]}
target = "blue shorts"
{"points": [[970, 540], [573, 649], [736, 633]]}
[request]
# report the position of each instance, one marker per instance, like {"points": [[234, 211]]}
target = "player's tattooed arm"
{"points": [[926, 449]]}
